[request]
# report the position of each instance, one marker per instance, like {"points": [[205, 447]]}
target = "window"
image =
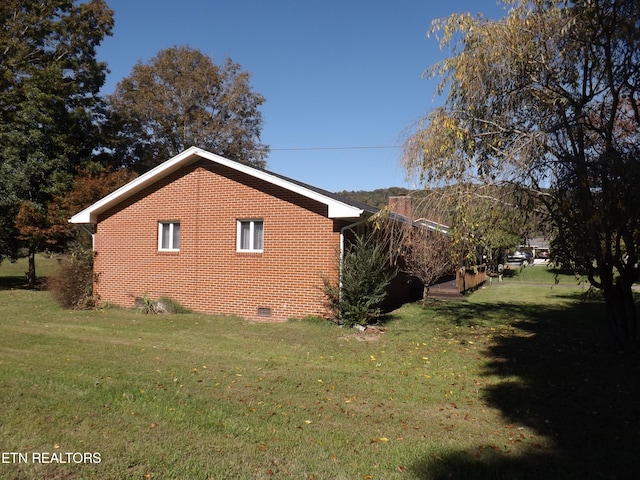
{"points": [[169, 236], [250, 235]]}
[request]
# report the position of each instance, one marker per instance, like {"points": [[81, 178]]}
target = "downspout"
{"points": [[93, 238]]}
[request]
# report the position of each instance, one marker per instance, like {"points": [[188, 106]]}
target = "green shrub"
{"points": [[146, 305], [365, 276], [72, 284]]}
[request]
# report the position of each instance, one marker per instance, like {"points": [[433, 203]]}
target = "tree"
{"points": [[426, 254], [41, 228], [72, 284], [49, 105], [547, 100], [181, 99], [420, 248], [365, 275], [91, 184], [462, 225], [46, 227], [485, 222]]}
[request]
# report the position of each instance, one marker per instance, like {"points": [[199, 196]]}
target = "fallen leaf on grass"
{"points": [[380, 439]]}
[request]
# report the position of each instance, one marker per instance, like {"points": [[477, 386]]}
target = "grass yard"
{"points": [[516, 383], [546, 275], [13, 274]]}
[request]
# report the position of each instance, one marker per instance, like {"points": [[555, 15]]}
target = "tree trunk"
{"points": [[31, 271], [621, 312], [425, 294]]}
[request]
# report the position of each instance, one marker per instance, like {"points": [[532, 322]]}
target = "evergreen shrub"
{"points": [[365, 276]]}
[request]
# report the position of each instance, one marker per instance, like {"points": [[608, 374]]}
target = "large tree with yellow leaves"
{"points": [[546, 100]]}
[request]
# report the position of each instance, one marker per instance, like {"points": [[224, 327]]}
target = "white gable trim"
{"points": [[336, 208]]}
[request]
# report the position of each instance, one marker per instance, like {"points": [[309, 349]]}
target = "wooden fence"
{"points": [[468, 278]]}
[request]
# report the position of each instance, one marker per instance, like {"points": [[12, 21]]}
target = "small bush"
{"points": [[72, 285], [146, 305], [163, 305], [365, 277]]}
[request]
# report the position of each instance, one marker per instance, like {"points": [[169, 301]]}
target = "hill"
{"points": [[375, 198]]}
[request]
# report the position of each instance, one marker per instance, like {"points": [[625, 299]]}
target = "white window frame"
{"points": [[252, 223], [171, 225]]}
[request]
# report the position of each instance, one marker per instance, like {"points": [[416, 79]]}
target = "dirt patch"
{"points": [[368, 334]]}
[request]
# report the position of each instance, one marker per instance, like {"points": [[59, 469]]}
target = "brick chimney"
{"points": [[401, 206]]}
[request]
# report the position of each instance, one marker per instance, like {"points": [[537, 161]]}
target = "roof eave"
{"points": [[335, 208], [91, 213]]}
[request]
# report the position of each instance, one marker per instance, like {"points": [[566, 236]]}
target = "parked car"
{"points": [[520, 256]]}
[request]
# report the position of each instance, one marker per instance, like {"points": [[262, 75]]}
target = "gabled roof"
{"points": [[337, 207]]}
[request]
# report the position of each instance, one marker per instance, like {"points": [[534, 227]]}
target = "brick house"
{"points": [[219, 237]]}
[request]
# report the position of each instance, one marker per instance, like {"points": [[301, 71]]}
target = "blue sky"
{"points": [[336, 74]]}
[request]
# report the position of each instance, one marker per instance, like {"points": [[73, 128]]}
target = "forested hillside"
{"points": [[375, 198]]}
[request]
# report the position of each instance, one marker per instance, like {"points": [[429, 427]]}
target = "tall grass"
{"points": [[486, 388]]}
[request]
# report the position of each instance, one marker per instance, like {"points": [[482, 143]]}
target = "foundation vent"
{"points": [[264, 312]]}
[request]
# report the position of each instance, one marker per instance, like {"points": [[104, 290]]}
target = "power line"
{"points": [[333, 148]]}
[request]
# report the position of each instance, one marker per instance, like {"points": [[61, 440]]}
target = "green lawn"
{"points": [[544, 274], [518, 382], [13, 273]]}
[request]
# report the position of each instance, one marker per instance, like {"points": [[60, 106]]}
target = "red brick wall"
{"points": [[401, 206], [208, 275]]}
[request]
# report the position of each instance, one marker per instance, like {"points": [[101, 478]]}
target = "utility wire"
{"points": [[332, 148]]}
